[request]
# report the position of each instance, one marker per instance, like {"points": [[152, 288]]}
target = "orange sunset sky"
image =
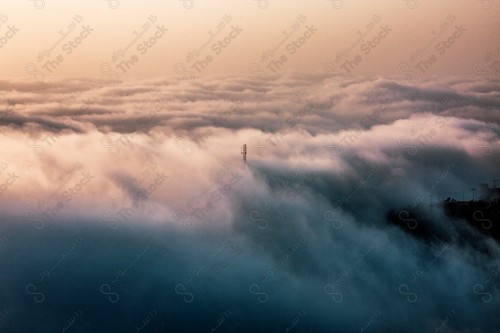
{"points": [[468, 29]]}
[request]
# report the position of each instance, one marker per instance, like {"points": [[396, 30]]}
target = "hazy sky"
{"points": [[383, 33]]}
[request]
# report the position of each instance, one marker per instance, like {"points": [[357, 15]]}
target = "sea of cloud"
{"points": [[127, 206]]}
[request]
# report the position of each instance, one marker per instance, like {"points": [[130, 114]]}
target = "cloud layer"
{"points": [[129, 202]]}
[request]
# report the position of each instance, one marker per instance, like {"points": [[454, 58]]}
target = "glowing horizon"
{"points": [[342, 31]]}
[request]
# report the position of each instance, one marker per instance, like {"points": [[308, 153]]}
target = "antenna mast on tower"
{"points": [[244, 152]]}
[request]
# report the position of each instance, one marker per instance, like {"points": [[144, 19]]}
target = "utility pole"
{"points": [[473, 190]]}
